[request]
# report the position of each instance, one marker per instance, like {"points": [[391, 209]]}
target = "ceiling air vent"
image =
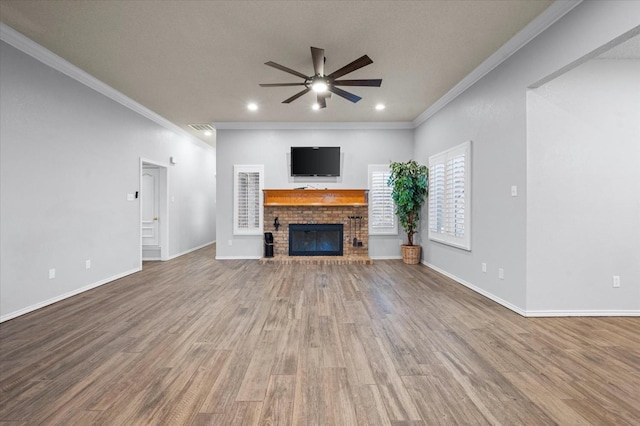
{"points": [[202, 127]]}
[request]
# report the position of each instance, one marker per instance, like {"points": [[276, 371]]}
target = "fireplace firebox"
{"points": [[316, 239]]}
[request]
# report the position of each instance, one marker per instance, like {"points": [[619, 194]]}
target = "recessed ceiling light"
{"points": [[252, 107], [315, 107], [208, 133], [380, 107]]}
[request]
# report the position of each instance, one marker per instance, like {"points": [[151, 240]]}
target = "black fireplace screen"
{"points": [[315, 239]]}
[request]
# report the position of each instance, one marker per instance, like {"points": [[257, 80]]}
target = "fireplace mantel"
{"points": [[315, 197]]}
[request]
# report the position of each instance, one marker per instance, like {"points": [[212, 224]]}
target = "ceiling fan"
{"points": [[323, 84]]}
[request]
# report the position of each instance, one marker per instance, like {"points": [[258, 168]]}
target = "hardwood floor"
{"points": [[205, 342]]}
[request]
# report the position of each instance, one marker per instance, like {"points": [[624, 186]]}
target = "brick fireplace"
{"points": [[318, 206]]}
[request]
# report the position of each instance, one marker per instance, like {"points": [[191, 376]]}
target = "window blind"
{"points": [[382, 217], [449, 197], [248, 200]]}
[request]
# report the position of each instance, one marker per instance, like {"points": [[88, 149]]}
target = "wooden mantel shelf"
{"points": [[315, 197]]}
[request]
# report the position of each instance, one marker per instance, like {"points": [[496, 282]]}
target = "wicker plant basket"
{"points": [[411, 254]]}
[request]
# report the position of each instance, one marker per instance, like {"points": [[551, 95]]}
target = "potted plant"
{"points": [[410, 187]]}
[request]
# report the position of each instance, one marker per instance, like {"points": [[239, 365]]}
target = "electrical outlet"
{"points": [[616, 281], [501, 273], [484, 267], [230, 242], [52, 273], [87, 264]]}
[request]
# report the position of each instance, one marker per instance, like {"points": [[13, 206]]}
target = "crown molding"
{"points": [[307, 125], [33, 49], [553, 13], [547, 18]]}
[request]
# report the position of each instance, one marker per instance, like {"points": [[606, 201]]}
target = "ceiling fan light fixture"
{"points": [[315, 107], [320, 86]]}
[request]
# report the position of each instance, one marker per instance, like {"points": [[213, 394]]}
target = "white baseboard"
{"points": [[586, 313], [483, 292], [386, 257], [173, 256], [238, 257], [53, 300]]}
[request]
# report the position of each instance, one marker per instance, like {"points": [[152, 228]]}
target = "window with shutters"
{"points": [[449, 196], [247, 199], [382, 217]]}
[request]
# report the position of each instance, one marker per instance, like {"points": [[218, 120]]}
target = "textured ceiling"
{"points": [[201, 61]]}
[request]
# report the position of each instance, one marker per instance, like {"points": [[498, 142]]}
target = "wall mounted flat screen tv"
{"points": [[315, 161]]}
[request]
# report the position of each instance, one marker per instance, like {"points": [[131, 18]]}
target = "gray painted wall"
{"points": [[583, 205], [69, 157], [493, 114], [359, 148]]}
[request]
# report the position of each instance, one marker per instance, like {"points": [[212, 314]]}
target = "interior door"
{"points": [[149, 203]]}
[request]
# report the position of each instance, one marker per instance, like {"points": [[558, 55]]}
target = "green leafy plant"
{"points": [[410, 187]]}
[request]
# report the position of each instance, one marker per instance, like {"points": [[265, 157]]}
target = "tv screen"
{"points": [[315, 161]]}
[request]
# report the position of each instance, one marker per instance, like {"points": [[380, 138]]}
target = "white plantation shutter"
{"points": [[382, 217], [449, 196], [247, 199], [436, 197]]}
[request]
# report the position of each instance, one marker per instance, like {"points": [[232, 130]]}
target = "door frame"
{"points": [[163, 206]]}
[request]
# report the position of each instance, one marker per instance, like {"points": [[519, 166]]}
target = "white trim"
{"points": [[33, 49], [586, 313], [190, 250], [312, 125], [547, 18], [385, 257], [164, 210], [483, 292], [238, 257], [72, 293]]}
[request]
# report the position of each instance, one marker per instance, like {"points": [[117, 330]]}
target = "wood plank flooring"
{"points": [[205, 342]]}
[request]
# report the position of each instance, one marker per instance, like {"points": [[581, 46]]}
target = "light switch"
{"points": [[514, 191]]}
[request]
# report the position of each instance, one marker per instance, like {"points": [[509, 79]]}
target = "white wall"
{"points": [[492, 113], [583, 206], [69, 157], [359, 148]]}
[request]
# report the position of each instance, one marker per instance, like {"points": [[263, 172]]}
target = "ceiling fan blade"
{"points": [[349, 96], [279, 84], [363, 61], [322, 100], [318, 60], [371, 82], [285, 69], [296, 96]]}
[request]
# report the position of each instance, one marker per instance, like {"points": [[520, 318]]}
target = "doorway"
{"points": [[154, 223]]}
